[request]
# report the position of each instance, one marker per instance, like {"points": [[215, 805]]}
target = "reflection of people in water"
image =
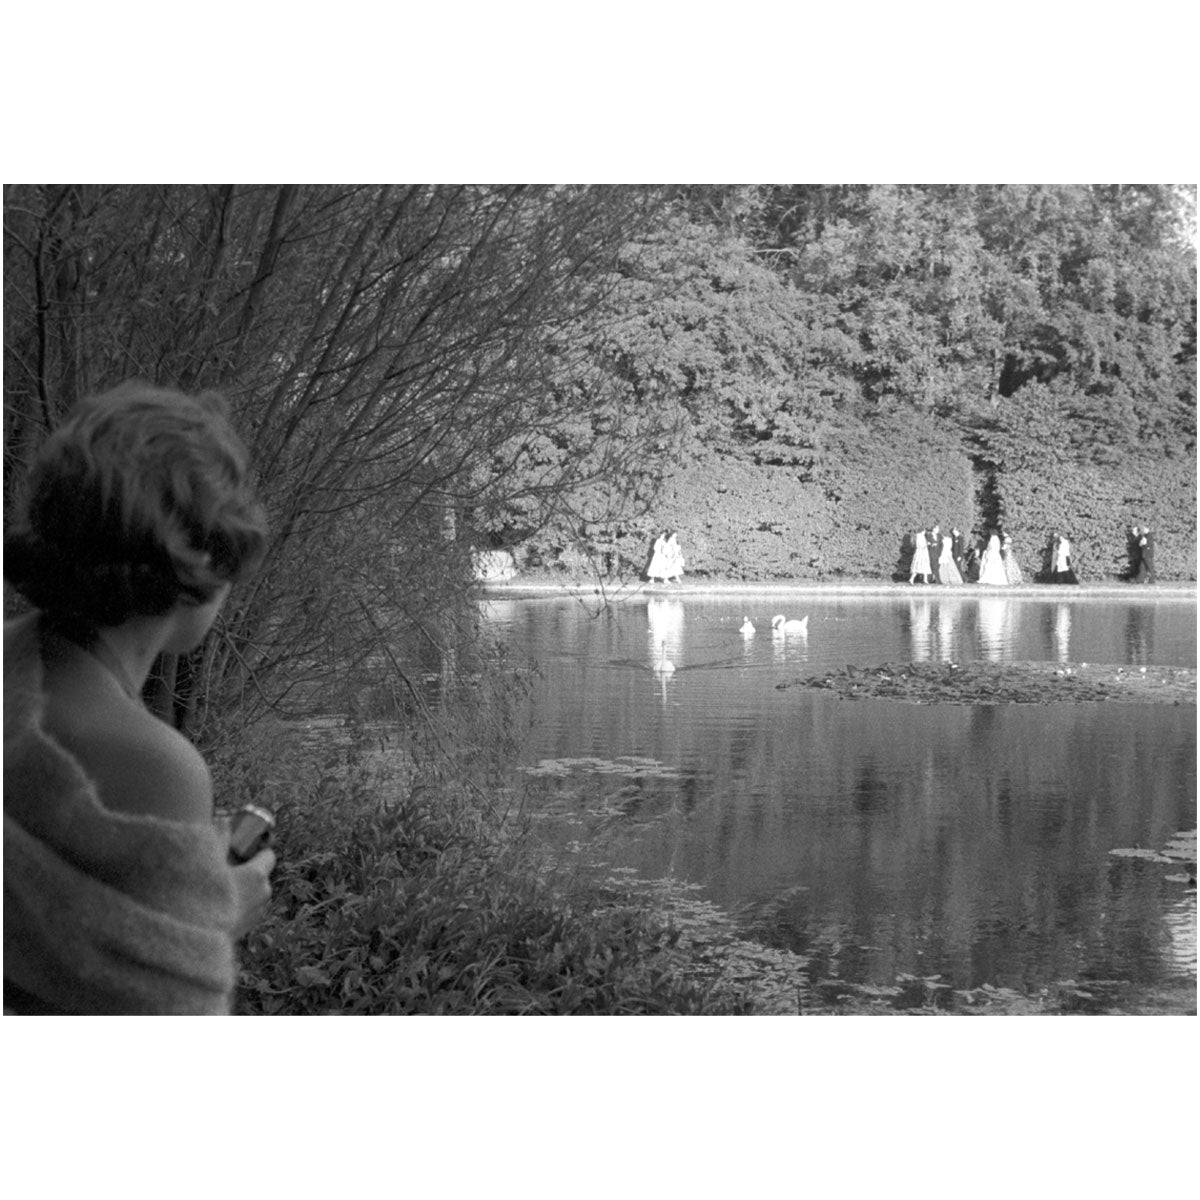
{"points": [[1139, 634], [1062, 632], [993, 628], [946, 621], [920, 624]]}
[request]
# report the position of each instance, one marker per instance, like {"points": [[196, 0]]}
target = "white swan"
{"points": [[779, 625], [664, 666], [747, 626]]}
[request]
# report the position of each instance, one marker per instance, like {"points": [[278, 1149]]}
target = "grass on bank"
{"points": [[393, 897]]}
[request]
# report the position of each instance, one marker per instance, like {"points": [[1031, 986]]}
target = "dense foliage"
{"points": [[854, 362], [405, 362]]}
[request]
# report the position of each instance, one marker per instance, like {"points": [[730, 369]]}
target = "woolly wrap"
{"points": [[103, 912]]}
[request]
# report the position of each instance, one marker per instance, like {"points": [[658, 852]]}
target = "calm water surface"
{"points": [[877, 837]]}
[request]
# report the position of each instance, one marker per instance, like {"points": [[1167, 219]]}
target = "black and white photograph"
{"points": [[768, 606]]}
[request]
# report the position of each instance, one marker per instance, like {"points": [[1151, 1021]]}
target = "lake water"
{"points": [[878, 838]]}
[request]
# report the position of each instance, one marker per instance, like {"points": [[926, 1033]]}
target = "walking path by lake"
{"points": [[697, 586]]}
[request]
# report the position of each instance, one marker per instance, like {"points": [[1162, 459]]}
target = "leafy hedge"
{"points": [[912, 474], [743, 520], [738, 519], [1095, 506]]}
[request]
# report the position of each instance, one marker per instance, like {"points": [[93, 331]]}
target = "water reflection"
{"points": [[948, 614], [920, 623], [886, 837], [497, 610], [1062, 632], [1180, 924], [1139, 634], [788, 645], [996, 621], [665, 623]]}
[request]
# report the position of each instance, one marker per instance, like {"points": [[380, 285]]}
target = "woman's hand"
{"points": [[252, 884]]}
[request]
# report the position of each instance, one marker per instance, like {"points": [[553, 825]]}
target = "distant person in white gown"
{"points": [[1062, 569], [947, 567], [673, 555], [656, 572], [991, 563], [666, 560], [1012, 568], [920, 559]]}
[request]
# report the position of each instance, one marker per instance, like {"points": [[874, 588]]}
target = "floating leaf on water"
{"points": [[1182, 847], [641, 768], [1137, 852]]}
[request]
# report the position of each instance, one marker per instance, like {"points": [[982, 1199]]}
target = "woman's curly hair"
{"points": [[140, 499]]}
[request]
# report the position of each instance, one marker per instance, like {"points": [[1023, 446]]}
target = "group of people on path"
{"points": [[1062, 567], [946, 559], [942, 558], [938, 557]]}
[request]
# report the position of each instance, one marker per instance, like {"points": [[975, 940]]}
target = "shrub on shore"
{"points": [[417, 899]]}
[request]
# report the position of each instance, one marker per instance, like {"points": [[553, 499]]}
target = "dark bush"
{"points": [[420, 901]]}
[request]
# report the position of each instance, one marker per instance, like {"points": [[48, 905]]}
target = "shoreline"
{"points": [[534, 588]]}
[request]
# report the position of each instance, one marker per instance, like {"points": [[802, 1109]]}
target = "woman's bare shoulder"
{"points": [[140, 766]]}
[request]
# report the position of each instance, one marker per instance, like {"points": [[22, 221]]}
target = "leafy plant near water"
{"points": [[421, 900]]}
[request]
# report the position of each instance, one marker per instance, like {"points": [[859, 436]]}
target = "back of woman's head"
{"points": [[140, 499]]}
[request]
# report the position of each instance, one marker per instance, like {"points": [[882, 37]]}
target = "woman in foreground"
{"points": [[118, 892]]}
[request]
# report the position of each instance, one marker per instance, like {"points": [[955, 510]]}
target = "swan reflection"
{"points": [[665, 632]]}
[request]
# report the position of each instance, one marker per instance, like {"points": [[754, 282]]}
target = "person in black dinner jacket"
{"points": [[1146, 568], [933, 539], [958, 550], [1133, 548]]}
